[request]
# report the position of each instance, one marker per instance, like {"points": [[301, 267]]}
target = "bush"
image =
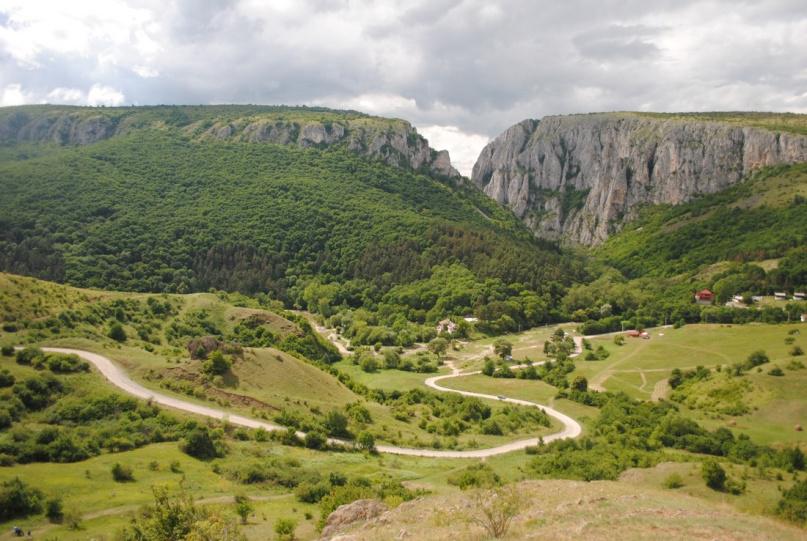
{"points": [[284, 529], [7, 379], [793, 505], [199, 444], [366, 441], [7, 351], [216, 365], [122, 474], [478, 475], [755, 359], [673, 481], [795, 351], [54, 510], [116, 332], [26, 356], [776, 371], [308, 492], [714, 475], [315, 439], [18, 500]]}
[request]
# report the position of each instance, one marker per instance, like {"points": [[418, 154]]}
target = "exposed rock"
{"points": [[346, 515], [395, 142], [581, 177]]}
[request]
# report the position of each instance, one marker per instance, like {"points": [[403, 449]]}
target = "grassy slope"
{"points": [[278, 380], [757, 219], [575, 510], [778, 402]]}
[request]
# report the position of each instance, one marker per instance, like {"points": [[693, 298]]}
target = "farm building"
{"points": [[446, 326], [780, 296], [799, 296], [634, 334], [704, 296]]}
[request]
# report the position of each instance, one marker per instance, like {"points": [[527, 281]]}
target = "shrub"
{"points": [[795, 351], [54, 510], [122, 474], [308, 492], [755, 359], [776, 371], [7, 379], [243, 508], [315, 439], [478, 475], [18, 500], [714, 475], [495, 510], [7, 351], [216, 365], [673, 481], [793, 505], [199, 444], [366, 441], [284, 529], [26, 356], [116, 332]]}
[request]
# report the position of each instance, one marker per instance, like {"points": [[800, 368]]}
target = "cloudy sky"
{"points": [[459, 70]]}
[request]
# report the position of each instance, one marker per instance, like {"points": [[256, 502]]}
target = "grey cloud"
{"points": [[478, 65]]}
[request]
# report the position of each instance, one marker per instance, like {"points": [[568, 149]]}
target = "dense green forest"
{"points": [[156, 209]]}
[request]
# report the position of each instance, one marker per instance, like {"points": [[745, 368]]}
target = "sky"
{"points": [[461, 71]]}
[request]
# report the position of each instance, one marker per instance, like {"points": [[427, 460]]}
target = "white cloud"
{"points": [[104, 95], [14, 95], [65, 95], [464, 148], [146, 72]]}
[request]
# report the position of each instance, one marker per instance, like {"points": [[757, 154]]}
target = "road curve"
{"points": [[120, 379]]}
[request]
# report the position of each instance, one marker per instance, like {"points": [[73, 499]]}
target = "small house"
{"points": [[446, 326], [634, 333], [704, 296], [645, 335], [799, 296], [804, 318], [471, 319], [780, 296], [737, 298]]}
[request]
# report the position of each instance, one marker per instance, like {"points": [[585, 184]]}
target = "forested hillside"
{"points": [[156, 205]]}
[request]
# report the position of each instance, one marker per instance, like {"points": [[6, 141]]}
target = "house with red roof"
{"points": [[704, 296]]}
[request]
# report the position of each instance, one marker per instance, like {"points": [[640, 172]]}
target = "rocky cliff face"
{"points": [[581, 177], [395, 142]]}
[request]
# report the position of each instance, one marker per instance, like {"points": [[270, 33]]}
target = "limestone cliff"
{"points": [[580, 177], [393, 141]]}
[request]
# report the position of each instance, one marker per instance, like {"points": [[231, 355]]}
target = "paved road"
{"points": [[120, 379]]}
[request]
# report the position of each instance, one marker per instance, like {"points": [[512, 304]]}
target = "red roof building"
{"points": [[704, 296]]}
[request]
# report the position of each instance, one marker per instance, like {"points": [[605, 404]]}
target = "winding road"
{"points": [[119, 378]]}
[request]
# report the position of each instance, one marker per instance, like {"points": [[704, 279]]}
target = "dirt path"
{"points": [[120, 379]]}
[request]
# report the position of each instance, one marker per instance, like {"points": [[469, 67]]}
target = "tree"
{"points": [[199, 444], [217, 364], [502, 348], [116, 332], [18, 500], [580, 384], [284, 529], [714, 475], [366, 441], [368, 363], [489, 367], [243, 507], [755, 359], [336, 424], [391, 359], [438, 346]]}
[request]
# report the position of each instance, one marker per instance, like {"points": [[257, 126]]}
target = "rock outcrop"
{"points": [[351, 513], [393, 141], [580, 177]]}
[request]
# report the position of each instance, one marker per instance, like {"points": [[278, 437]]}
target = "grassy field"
{"points": [[640, 368]]}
